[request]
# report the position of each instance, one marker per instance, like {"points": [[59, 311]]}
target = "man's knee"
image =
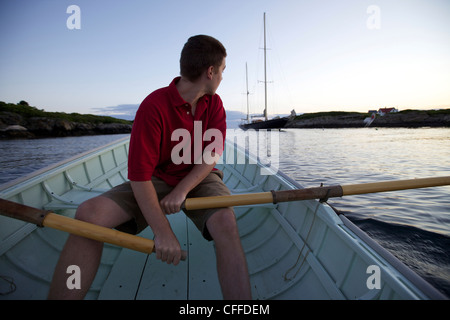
{"points": [[86, 211], [223, 223], [101, 211]]}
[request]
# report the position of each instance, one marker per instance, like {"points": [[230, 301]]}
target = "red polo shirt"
{"points": [[153, 138]]}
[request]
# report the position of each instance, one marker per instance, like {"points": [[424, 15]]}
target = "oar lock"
{"points": [[325, 199]]}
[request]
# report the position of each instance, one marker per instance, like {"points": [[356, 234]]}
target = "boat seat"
{"points": [[79, 192], [69, 200]]}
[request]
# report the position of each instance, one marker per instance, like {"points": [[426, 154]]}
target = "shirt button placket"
{"points": [[187, 107]]}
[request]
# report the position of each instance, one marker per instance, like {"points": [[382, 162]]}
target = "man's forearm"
{"points": [[166, 244], [148, 202], [195, 176], [173, 201]]}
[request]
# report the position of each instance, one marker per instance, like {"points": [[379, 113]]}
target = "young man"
{"points": [[159, 183]]}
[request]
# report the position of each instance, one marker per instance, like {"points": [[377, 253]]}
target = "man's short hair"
{"points": [[198, 54]]}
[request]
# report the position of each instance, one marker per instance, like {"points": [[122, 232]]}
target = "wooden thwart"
{"points": [[312, 193]]}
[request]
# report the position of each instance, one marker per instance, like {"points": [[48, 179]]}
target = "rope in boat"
{"points": [[286, 278], [10, 282]]}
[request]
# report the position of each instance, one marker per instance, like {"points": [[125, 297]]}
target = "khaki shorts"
{"points": [[212, 185]]}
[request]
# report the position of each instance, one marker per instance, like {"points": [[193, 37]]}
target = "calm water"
{"points": [[21, 157], [414, 225], [351, 156]]}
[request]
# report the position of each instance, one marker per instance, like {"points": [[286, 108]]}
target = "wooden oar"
{"points": [[49, 219], [312, 193]]}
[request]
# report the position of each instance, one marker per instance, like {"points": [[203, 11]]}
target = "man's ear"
{"points": [[210, 72]]}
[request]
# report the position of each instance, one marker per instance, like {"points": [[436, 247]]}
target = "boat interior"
{"points": [[294, 250]]}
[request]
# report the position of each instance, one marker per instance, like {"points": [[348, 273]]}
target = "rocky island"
{"points": [[21, 121], [402, 119]]}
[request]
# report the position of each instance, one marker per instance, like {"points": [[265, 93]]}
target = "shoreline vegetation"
{"points": [[22, 121]]}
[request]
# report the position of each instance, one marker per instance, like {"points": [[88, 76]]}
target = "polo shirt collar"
{"points": [[177, 101]]}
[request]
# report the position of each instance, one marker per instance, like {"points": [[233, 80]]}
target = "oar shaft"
{"points": [[227, 201], [98, 233], [312, 193], [49, 219], [354, 189], [262, 197], [21, 212]]}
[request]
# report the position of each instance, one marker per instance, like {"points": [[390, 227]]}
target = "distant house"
{"points": [[383, 111]]}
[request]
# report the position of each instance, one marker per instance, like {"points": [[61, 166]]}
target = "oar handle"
{"points": [[49, 219], [21, 212]]}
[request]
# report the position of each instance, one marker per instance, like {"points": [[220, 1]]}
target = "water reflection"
{"points": [[20, 157], [349, 156]]}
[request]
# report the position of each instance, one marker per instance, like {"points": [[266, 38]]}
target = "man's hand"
{"points": [[168, 248], [172, 202]]}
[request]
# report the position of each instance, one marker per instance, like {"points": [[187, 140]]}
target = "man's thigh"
{"points": [[123, 196], [212, 185]]}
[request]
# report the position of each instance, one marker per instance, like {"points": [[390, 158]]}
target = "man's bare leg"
{"points": [[231, 262], [83, 252]]}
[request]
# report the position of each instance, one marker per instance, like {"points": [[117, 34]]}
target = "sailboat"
{"points": [[275, 123]]}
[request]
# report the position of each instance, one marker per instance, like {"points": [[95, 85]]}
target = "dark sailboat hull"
{"points": [[269, 124]]}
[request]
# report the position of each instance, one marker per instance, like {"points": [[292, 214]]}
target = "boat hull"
{"points": [[269, 124], [295, 250]]}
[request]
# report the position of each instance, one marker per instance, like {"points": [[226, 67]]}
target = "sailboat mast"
{"points": [[246, 81], [265, 71]]}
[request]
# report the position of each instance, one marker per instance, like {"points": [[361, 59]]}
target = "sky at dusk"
{"points": [[349, 55]]}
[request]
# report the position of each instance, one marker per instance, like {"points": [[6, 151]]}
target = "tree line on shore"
{"points": [[24, 121]]}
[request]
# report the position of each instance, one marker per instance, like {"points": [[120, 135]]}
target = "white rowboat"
{"points": [[294, 250]]}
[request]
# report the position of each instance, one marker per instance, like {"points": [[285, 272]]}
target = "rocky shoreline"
{"points": [[14, 125], [20, 121], [404, 119], [47, 127]]}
